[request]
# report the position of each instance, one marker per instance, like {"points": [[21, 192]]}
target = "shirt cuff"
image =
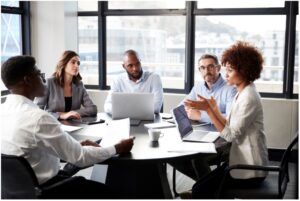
{"points": [[111, 150]]}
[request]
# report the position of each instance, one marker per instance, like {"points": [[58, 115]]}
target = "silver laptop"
{"points": [[205, 133], [136, 106]]}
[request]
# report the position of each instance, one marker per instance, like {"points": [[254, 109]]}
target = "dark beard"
{"points": [[135, 77]]}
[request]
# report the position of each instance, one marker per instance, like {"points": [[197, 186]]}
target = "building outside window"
{"points": [[161, 39]]}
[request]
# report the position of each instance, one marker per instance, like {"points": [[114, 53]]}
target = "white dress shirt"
{"points": [[245, 129], [36, 135], [149, 83]]}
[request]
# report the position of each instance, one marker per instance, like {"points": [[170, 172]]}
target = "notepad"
{"points": [[67, 128], [160, 125]]}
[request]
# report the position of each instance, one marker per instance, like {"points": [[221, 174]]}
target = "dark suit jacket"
{"points": [[54, 100]]}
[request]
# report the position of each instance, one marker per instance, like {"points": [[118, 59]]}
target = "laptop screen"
{"points": [[182, 120]]}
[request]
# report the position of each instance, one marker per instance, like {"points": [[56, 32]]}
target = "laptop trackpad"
{"points": [[202, 136]]}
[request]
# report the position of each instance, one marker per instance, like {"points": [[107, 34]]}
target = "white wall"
{"points": [[53, 30], [280, 116]]}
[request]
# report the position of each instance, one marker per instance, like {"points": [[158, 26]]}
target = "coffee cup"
{"points": [[154, 134]]}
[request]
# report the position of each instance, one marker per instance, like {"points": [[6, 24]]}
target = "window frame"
{"points": [[290, 10], [24, 11]]}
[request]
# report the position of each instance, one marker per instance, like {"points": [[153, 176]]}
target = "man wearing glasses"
{"points": [[213, 84]]}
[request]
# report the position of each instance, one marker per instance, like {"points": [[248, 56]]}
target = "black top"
{"points": [[68, 104]]}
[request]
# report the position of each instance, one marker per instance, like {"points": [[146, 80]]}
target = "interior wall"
{"points": [[53, 30], [280, 116]]}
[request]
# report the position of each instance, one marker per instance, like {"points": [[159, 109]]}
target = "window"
{"points": [[296, 64], [166, 4], [15, 34], [170, 36], [88, 49], [239, 4], [87, 5], [216, 33], [154, 38]]}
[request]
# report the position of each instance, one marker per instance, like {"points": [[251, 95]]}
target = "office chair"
{"points": [[273, 187], [18, 180], [220, 157]]}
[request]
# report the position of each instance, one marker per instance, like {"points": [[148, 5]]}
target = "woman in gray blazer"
{"points": [[66, 96]]}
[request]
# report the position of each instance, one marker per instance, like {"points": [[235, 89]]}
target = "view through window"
{"points": [[161, 40], [11, 35], [216, 33]]}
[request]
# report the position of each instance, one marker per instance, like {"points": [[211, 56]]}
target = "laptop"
{"points": [[205, 133], [136, 106]]}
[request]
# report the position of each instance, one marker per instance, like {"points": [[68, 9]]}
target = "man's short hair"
{"points": [[131, 52], [209, 56], [16, 68]]}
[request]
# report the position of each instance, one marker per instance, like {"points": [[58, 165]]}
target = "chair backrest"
{"points": [[284, 165], [18, 180]]}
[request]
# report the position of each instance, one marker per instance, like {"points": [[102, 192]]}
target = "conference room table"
{"points": [[142, 173]]}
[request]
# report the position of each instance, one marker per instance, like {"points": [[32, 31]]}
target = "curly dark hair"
{"points": [[244, 58], [16, 68], [61, 65]]}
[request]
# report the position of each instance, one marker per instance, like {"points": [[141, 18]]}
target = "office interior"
{"points": [[170, 36]]}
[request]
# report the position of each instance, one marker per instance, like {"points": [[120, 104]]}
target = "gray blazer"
{"points": [[54, 100]]}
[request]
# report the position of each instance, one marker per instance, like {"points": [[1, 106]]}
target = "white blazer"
{"points": [[245, 129]]}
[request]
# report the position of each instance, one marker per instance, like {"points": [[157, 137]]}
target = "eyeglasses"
{"points": [[208, 67]]}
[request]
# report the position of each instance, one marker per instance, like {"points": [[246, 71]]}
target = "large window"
{"points": [[15, 37], [171, 35], [216, 33], [155, 38]]}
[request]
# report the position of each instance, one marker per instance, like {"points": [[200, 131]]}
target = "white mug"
{"points": [[154, 134]]}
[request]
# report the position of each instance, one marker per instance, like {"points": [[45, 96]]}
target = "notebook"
{"points": [[205, 133], [136, 106]]}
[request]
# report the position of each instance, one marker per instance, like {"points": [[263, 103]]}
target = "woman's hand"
{"points": [[193, 114], [200, 104], [69, 115], [211, 102]]}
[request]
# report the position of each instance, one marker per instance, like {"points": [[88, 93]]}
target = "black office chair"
{"points": [[18, 180], [273, 187], [217, 160]]}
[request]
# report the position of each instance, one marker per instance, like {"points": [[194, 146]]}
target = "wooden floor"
{"points": [[184, 183]]}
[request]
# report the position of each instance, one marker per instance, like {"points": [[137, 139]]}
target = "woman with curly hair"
{"points": [[244, 126], [66, 95]]}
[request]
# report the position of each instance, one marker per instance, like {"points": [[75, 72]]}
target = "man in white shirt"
{"points": [[37, 136], [136, 80]]}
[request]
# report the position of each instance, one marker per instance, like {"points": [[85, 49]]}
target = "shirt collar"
{"points": [[20, 99]]}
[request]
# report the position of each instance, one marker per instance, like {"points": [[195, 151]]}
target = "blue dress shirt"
{"points": [[222, 93], [149, 83]]}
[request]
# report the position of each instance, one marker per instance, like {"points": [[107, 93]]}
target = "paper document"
{"points": [[160, 125], [70, 128], [115, 131], [192, 147]]}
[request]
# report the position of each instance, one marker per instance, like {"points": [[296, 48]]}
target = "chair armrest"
{"points": [[245, 167], [253, 167]]}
